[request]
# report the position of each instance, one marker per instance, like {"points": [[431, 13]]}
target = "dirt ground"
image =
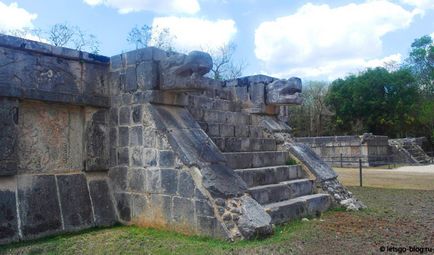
{"points": [[408, 177]]}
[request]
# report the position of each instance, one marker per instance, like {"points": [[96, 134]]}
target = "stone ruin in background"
{"points": [[145, 138]]}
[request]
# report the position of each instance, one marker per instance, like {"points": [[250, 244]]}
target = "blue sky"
{"points": [[310, 39]]}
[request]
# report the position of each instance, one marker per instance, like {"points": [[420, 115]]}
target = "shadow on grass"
{"points": [[54, 238], [120, 233]]}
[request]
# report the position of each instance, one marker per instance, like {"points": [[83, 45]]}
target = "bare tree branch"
{"points": [[224, 67]]}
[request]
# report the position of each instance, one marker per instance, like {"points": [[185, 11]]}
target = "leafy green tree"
{"points": [[377, 101], [421, 63], [313, 117], [426, 118]]}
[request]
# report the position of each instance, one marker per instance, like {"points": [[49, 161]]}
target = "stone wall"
{"points": [[40, 71], [53, 136], [346, 151], [165, 171]]}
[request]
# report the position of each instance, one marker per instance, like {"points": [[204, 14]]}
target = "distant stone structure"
{"points": [[145, 138], [345, 151], [409, 150], [373, 150]]}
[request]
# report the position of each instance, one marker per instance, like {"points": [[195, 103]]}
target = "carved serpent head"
{"points": [[284, 92]]}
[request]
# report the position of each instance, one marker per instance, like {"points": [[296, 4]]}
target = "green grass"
{"points": [[291, 162], [136, 240], [402, 217]]}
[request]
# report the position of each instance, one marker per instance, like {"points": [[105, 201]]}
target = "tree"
{"points": [[377, 101], [426, 118], [313, 117], [62, 35], [421, 63], [27, 33], [65, 35], [146, 36], [224, 66], [140, 36]]}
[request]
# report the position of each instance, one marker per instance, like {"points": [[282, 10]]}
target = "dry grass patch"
{"points": [[388, 178]]}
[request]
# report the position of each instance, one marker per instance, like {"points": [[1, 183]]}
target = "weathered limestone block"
{"points": [[8, 210], [326, 176], [97, 140], [283, 92], [38, 205], [186, 185], [51, 138], [252, 221], [103, 208], [220, 181], [147, 75], [118, 178], [183, 213], [123, 206], [8, 136], [187, 136], [75, 201], [273, 125], [302, 152]]}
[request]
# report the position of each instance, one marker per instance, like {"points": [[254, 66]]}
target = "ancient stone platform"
{"points": [[145, 138]]}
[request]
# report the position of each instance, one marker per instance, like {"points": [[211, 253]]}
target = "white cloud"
{"points": [[160, 6], [334, 69], [322, 41], [387, 62], [13, 17], [420, 5], [195, 33]]}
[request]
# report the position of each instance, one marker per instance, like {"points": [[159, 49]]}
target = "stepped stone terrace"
{"points": [[145, 138]]}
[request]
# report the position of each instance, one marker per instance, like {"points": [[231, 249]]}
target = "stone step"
{"points": [[270, 175], [244, 144], [419, 157], [208, 103], [227, 131], [273, 193], [242, 160], [226, 117], [296, 208]]}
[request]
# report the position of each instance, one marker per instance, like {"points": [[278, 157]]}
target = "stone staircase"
{"points": [[283, 190], [411, 150], [416, 152]]}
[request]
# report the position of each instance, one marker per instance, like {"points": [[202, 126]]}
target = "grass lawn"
{"points": [[394, 218]]}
